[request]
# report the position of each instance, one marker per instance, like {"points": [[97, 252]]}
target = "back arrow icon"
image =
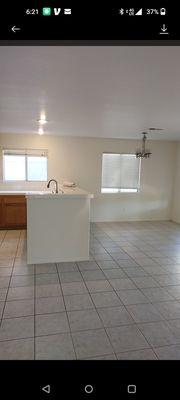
{"points": [[47, 389], [14, 29]]}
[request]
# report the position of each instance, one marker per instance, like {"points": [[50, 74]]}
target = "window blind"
{"points": [[120, 171], [26, 152]]}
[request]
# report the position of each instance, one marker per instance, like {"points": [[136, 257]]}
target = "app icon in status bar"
{"points": [[67, 11], [48, 11]]}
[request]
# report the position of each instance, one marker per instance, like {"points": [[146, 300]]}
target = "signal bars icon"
{"points": [[139, 12]]}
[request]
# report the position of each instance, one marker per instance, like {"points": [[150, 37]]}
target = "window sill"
{"points": [[120, 192]]}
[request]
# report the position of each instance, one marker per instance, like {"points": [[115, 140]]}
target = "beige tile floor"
{"points": [[124, 303]]}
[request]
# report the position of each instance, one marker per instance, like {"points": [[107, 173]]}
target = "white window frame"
{"points": [[120, 190], [26, 153]]}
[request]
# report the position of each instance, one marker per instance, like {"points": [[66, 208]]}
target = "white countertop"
{"points": [[20, 192], [67, 193], [47, 194]]}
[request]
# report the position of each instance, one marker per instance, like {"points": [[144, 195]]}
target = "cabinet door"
{"points": [[1, 212], [14, 211]]}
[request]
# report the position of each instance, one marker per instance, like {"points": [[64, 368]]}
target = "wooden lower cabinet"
{"points": [[13, 212], [1, 212]]}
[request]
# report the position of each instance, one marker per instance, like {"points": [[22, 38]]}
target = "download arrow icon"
{"points": [[164, 29]]}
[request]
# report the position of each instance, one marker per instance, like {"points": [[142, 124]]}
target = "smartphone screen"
{"points": [[89, 200]]}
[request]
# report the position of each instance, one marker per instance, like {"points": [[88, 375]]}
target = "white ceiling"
{"points": [[111, 92]]}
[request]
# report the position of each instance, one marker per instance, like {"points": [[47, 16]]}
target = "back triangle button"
{"points": [[47, 389]]}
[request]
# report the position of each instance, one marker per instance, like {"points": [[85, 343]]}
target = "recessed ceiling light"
{"points": [[41, 131], [42, 120]]}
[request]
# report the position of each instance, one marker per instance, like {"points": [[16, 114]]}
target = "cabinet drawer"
{"points": [[14, 200]]}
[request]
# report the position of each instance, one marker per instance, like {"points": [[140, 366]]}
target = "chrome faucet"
{"points": [[53, 180]]}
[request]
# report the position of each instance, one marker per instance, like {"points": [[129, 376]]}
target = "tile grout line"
{"points": [[10, 278], [34, 298], [114, 290], [134, 289], [143, 294], [96, 329], [131, 317], [98, 313], [126, 308], [70, 332]]}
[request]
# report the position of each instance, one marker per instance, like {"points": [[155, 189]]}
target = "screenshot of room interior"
{"points": [[89, 203]]}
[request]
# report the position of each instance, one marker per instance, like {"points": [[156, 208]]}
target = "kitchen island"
{"points": [[58, 226]]}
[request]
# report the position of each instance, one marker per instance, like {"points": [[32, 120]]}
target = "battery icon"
{"points": [[163, 11]]}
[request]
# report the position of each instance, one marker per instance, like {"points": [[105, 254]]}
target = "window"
{"points": [[25, 165], [120, 173]]}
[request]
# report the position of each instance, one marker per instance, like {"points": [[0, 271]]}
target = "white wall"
{"points": [[176, 194], [79, 159]]}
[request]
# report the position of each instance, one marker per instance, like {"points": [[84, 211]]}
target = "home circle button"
{"points": [[88, 389]]}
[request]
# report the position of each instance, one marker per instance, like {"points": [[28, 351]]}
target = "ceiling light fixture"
{"points": [[42, 120], [143, 153], [41, 131]]}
